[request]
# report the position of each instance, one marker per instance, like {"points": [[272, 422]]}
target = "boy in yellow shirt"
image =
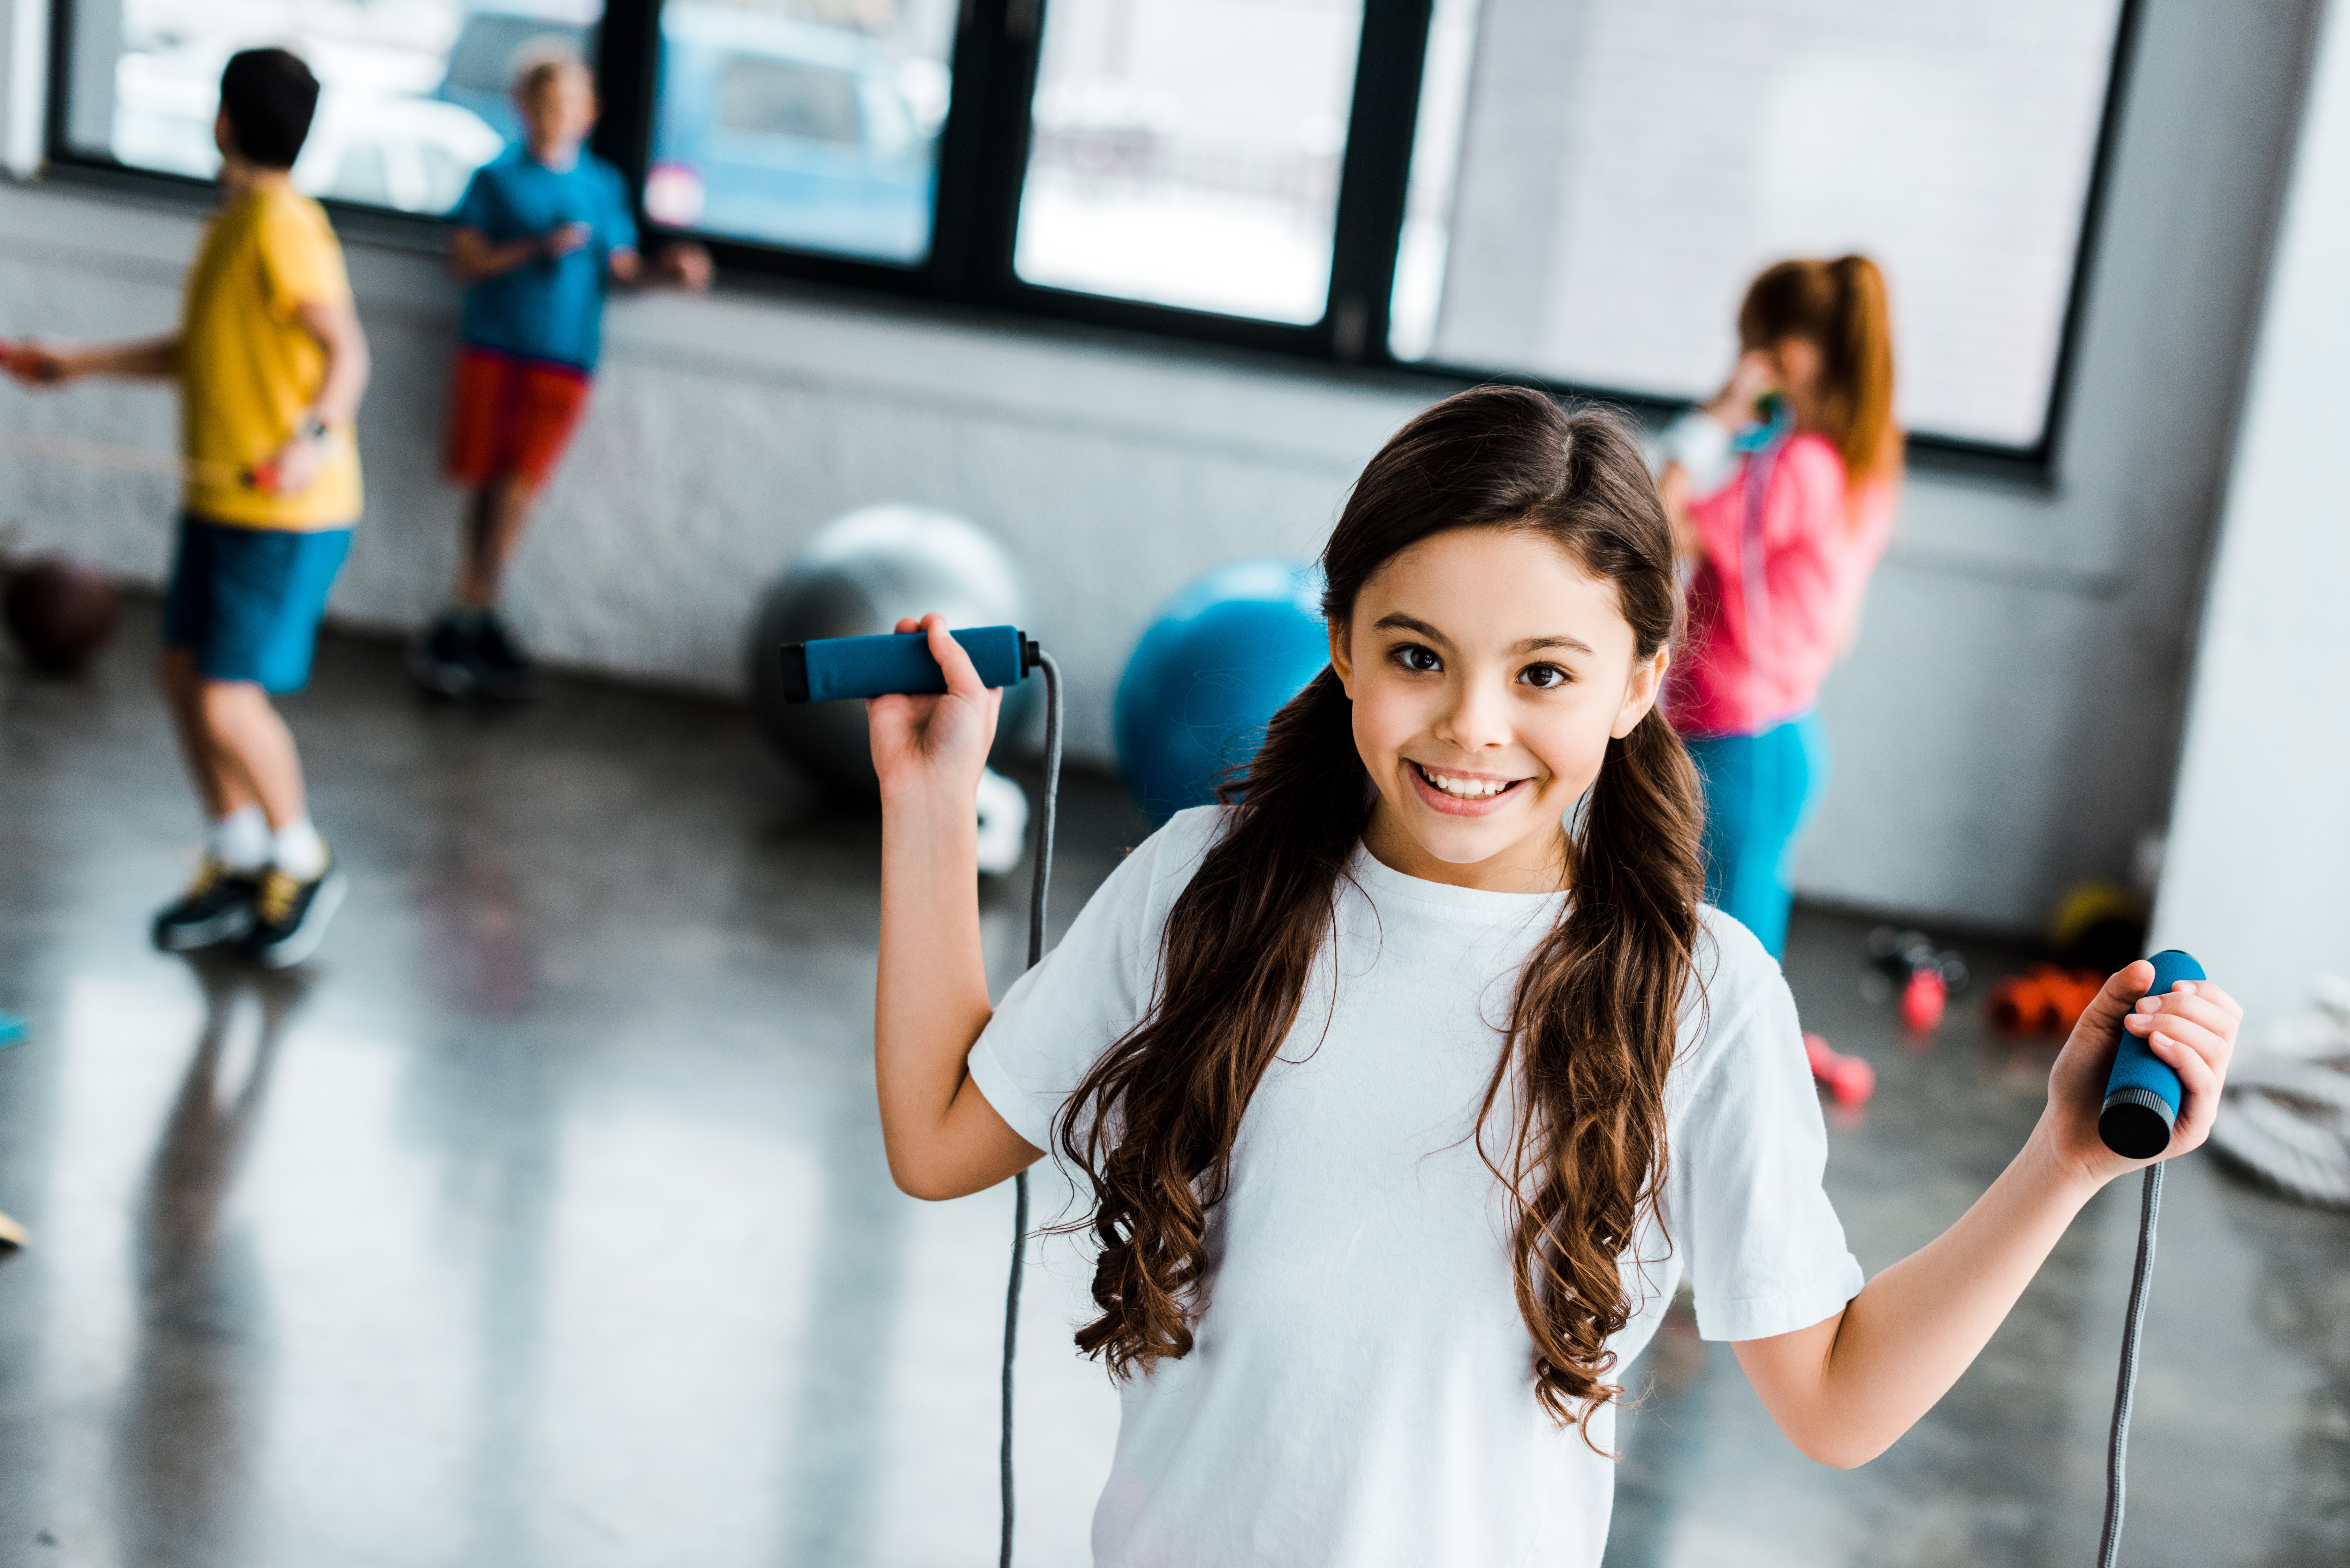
{"points": [[271, 365]]}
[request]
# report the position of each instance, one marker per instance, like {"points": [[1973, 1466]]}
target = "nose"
{"points": [[1476, 716]]}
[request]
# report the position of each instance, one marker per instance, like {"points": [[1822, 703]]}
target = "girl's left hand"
{"points": [[2192, 1029]]}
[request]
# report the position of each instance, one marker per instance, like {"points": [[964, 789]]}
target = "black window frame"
{"points": [[982, 151]]}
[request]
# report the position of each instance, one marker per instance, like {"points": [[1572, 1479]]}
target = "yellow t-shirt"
{"points": [[249, 370]]}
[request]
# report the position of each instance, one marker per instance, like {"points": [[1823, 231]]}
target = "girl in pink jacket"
{"points": [[1780, 520]]}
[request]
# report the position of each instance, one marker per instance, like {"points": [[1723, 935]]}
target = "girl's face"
{"points": [[1489, 670]]}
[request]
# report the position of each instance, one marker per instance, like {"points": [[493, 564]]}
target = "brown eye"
{"points": [[1544, 677], [1418, 659]]}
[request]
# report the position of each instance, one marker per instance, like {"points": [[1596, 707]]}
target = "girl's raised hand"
{"points": [[933, 748], [1754, 374], [2192, 1029]]}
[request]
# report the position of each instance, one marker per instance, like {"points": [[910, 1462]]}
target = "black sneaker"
{"points": [[290, 917], [501, 669], [441, 659], [217, 908]]}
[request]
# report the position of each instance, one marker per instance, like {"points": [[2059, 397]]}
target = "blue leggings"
{"points": [[1759, 792]]}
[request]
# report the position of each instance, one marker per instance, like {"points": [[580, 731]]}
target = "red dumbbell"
{"points": [[1923, 999], [1848, 1078]]}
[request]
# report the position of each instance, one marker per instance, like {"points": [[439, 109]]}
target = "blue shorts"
{"points": [[246, 602]]}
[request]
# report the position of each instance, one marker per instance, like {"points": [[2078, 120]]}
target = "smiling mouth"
{"points": [[1462, 788]]}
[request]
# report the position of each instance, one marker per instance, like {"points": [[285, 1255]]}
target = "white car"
{"points": [[414, 154], [386, 148]]}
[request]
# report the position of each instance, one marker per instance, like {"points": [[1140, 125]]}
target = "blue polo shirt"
{"points": [[551, 307]]}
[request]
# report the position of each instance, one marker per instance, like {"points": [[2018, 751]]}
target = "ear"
{"points": [[1342, 661], [1641, 690]]}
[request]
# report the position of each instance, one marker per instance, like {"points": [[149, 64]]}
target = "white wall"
{"points": [[2258, 881], [2006, 725]]}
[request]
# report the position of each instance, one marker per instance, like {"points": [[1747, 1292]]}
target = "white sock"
{"points": [[299, 852], [240, 840]]}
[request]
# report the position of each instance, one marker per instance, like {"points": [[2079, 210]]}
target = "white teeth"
{"points": [[1465, 789]]}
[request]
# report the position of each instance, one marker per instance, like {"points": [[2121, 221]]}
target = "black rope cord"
{"points": [[2109, 1545], [1042, 885]]}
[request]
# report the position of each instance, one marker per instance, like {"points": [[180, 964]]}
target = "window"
{"points": [[414, 96], [812, 125], [775, 98], [1596, 183], [1571, 190], [1186, 152]]}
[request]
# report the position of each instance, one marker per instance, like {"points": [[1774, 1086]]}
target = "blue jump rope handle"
{"points": [[830, 669], [2142, 1095]]}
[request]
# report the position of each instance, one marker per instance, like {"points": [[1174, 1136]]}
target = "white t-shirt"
{"points": [[1361, 1390]]}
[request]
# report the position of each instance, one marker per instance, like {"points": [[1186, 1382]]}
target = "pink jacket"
{"points": [[1757, 659]]}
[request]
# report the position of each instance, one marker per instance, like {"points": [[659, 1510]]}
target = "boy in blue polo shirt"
{"points": [[543, 230]]}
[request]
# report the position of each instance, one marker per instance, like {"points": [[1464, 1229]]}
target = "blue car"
{"points": [[790, 132], [481, 62], [767, 130]]}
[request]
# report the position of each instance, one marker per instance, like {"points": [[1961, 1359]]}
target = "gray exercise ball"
{"points": [[859, 575]]}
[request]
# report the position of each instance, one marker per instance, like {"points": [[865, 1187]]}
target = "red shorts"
{"points": [[509, 415]]}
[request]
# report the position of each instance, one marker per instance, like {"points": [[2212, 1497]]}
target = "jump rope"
{"points": [[835, 669], [138, 459]]}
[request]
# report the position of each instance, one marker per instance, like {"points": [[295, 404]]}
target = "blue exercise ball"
{"points": [[1217, 663]]}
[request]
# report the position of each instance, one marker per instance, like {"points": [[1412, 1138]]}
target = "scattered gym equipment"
{"points": [[2288, 1098], [856, 578], [2099, 926], [2044, 999], [1925, 977], [2288, 1126], [1218, 662], [1849, 1079], [58, 611]]}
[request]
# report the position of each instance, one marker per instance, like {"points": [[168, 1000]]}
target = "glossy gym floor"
{"points": [[542, 1220]]}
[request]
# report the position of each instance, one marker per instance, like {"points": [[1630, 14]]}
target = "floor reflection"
{"points": [[480, 954], [203, 1362]]}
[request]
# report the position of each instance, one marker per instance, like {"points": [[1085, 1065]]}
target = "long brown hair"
{"points": [[1839, 305], [1592, 1025]]}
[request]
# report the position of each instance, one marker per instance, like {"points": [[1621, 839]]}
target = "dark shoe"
{"points": [[501, 670], [217, 908], [290, 917], [441, 659]]}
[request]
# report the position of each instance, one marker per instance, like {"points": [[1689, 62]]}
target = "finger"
{"points": [[2200, 1011], [2116, 999], [2208, 1043], [2213, 994], [962, 676], [2199, 1088], [906, 623]]}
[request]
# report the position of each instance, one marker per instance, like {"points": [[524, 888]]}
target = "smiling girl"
{"points": [[1411, 1083]]}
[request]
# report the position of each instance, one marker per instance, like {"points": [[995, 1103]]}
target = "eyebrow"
{"points": [[1401, 622]]}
